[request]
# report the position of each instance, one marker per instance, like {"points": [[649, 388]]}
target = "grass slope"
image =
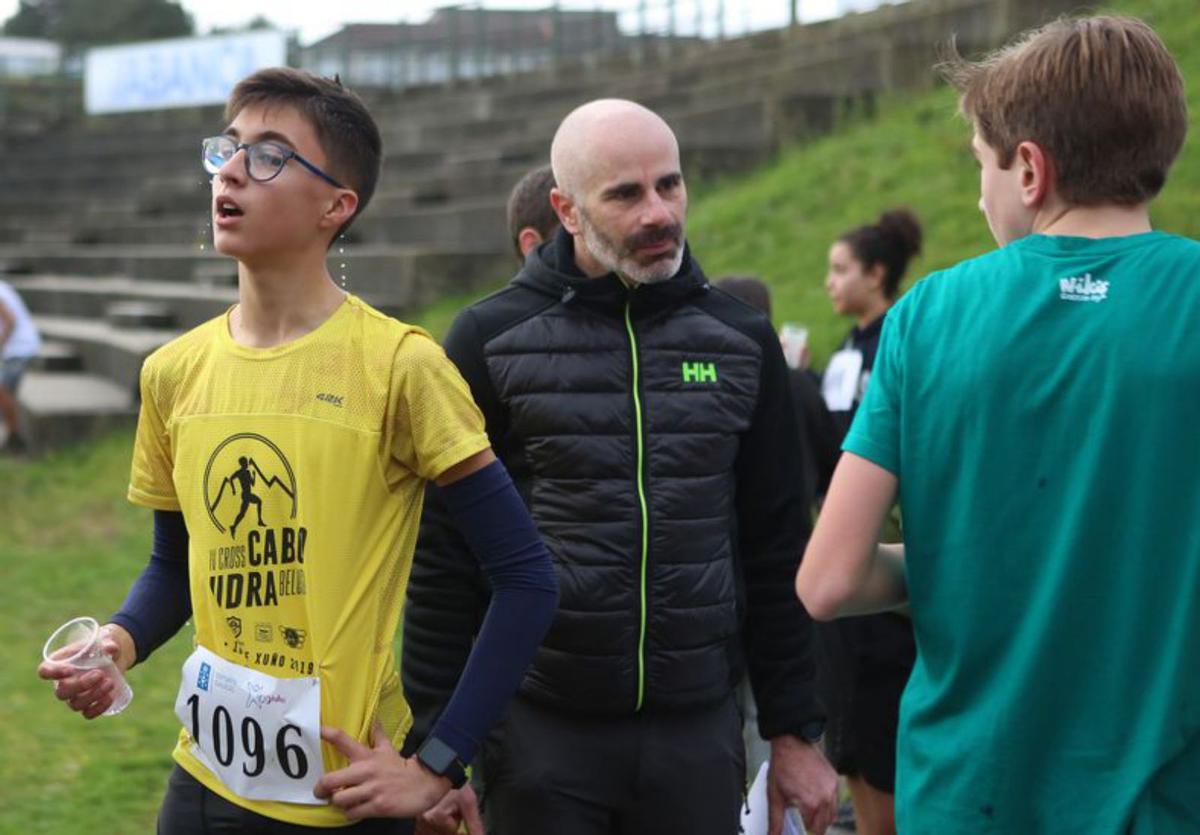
{"points": [[70, 544]]}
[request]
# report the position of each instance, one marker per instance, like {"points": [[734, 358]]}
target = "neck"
{"points": [[277, 305], [877, 308], [1093, 221]]}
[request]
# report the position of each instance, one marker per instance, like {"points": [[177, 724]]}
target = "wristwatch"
{"points": [[443, 761], [812, 731]]}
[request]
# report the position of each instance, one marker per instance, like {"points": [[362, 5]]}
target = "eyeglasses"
{"points": [[264, 160]]}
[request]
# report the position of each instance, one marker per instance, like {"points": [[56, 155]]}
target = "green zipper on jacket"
{"points": [[641, 489]]}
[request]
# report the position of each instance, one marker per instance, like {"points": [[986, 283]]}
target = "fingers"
{"points": [[350, 747], [819, 816], [440, 820], [775, 806], [89, 693], [379, 737], [471, 816], [52, 671], [351, 796], [344, 778]]}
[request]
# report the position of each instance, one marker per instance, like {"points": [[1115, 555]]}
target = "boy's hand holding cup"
{"points": [[85, 662]]}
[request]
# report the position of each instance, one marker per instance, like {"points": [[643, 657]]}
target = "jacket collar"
{"points": [[551, 270]]}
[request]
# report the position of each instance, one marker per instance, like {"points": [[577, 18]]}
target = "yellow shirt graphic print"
{"points": [[300, 472], [249, 484]]}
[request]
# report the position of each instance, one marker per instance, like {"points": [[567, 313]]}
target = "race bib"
{"points": [[259, 734], [840, 383]]}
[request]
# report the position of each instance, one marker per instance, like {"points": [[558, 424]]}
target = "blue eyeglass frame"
{"points": [[248, 147]]}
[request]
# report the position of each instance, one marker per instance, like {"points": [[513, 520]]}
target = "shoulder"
{"points": [[387, 343], [1179, 246], [736, 316], [182, 352], [947, 287], [496, 313]]}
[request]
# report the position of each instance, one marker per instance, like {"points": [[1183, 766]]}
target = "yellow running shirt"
{"points": [[300, 472]]}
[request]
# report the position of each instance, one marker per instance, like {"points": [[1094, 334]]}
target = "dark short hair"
{"points": [[1101, 95], [345, 128], [892, 241], [529, 205], [747, 288]]}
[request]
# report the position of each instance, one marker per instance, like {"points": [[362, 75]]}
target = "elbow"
{"points": [[819, 603], [821, 593]]}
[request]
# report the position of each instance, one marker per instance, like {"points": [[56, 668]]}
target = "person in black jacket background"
{"points": [[647, 420], [865, 661]]}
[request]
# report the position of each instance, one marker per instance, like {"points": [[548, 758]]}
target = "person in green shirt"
{"points": [[1036, 412]]}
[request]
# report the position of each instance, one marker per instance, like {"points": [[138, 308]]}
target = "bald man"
{"points": [[647, 420]]}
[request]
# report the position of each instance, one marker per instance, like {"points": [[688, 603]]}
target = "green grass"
{"points": [[70, 544], [779, 221]]}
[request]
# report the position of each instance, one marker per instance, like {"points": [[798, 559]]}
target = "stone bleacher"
{"points": [[104, 225]]}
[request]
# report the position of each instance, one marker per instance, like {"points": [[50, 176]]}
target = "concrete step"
{"points": [[57, 357], [60, 408], [113, 353], [473, 221], [89, 297], [140, 315], [398, 277]]}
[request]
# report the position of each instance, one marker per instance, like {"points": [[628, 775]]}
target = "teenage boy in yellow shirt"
{"points": [[330, 418]]}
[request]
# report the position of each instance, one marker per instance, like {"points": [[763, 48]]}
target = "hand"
{"points": [[459, 806], [378, 783], [91, 692], [800, 776]]}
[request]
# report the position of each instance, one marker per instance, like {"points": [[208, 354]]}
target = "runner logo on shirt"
{"points": [[242, 471], [251, 495], [1082, 289]]}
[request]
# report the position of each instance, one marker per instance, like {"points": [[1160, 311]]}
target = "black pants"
{"points": [[650, 774], [190, 808]]}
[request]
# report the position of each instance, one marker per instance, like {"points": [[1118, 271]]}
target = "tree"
{"points": [[76, 23], [31, 20], [255, 24]]}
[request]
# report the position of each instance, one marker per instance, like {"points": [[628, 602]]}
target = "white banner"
{"points": [[184, 72]]}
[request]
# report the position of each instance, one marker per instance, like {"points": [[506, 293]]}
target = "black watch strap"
{"points": [[812, 731], [443, 761]]}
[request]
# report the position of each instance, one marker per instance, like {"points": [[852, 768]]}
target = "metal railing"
{"points": [[483, 40], [480, 40]]}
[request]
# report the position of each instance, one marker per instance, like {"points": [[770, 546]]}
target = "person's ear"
{"points": [[339, 211], [565, 208], [527, 239], [1037, 173], [874, 276]]}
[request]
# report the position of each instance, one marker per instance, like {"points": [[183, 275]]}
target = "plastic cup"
{"points": [[794, 339], [77, 643]]}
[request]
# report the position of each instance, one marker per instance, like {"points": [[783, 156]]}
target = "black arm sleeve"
{"points": [[159, 602], [486, 508], [447, 593], [773, 528], [821, 440], [447, 597]]}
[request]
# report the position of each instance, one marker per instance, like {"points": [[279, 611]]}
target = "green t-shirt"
{"points": [[1040, 406]]}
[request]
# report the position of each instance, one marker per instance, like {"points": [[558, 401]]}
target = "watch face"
{"points": [[437, 755]]}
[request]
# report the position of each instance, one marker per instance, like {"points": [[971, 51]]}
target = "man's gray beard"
{"points": [[606, 253]]}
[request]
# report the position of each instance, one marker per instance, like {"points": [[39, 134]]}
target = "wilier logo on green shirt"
{"points": [[700, 372]]}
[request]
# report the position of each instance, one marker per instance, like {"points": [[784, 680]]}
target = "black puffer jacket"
{"points": [[653, 435]]}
